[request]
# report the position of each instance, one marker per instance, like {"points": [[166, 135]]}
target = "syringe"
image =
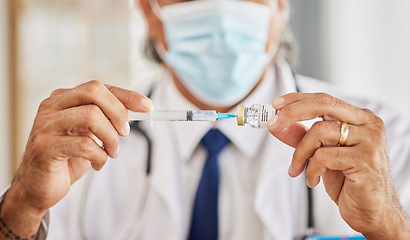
{"points": [[180, 115]]}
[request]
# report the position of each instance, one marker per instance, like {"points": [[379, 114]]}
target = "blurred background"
{"points": [[363, 46]]}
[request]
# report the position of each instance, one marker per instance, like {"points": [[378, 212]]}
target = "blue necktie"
{"points": [[204, 223]]}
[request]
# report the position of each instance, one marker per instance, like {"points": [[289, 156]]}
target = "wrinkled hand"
{"points": [[73, 130], [356, 176]]}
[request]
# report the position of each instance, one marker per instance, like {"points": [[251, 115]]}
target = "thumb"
{"points": [[290, 135]]}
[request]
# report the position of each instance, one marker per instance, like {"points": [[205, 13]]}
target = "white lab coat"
{"points": [[279, 202]]}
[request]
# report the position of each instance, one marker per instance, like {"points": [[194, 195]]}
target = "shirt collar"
{"points": [[187, 135], [278, 80]]}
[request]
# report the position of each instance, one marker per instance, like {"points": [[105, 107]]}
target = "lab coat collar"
{"points": [[273, 174]]}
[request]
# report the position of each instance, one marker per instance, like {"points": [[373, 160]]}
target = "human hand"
{"points": [[73, 130], [356, 176]]}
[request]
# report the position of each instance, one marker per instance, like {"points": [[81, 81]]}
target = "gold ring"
{"points": [[344, 132]]}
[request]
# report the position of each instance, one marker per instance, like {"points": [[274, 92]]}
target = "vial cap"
{"points": [[241, 115]]}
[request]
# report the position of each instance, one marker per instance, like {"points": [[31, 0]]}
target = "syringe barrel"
{"points": [[184, 115], [175, 115], [166, 115], [161, 115], [202, 115]]}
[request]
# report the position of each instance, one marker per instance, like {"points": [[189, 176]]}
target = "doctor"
{"points": [[216, 54]]}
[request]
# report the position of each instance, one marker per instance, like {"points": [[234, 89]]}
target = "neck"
{"points": [[204, 106]]}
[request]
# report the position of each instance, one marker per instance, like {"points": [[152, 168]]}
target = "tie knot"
{"points": [[214, 141]]}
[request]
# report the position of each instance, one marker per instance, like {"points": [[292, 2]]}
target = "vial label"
{"points": [[265, 112]]}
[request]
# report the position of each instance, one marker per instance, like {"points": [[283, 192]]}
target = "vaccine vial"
{"points": [[256, 115]]}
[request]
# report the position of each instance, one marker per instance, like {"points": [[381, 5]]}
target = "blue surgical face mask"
{"points": [[217, 47]]}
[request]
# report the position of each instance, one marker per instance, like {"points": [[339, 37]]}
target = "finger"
{"points": [[58, 91], [305, 106], [291, 135], [98, 141], [333, 181], [65, 147], [281, 101], [98, 94], [321, 134], [87, 118], [78, 167], [330, 158], [132, 100]]}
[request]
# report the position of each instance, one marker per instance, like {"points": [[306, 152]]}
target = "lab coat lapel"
{"points": [[166, 182], [273, 208], [177, 143]]}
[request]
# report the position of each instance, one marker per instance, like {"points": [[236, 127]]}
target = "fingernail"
{"points": [[290, 170], [146, 103], [117, 152], [309, 183], [126, 128], [278, 102], [272, 121]]}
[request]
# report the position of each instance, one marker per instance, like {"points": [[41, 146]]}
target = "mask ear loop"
{"points": [[156, 9], [273, 49], [160, 49]]}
